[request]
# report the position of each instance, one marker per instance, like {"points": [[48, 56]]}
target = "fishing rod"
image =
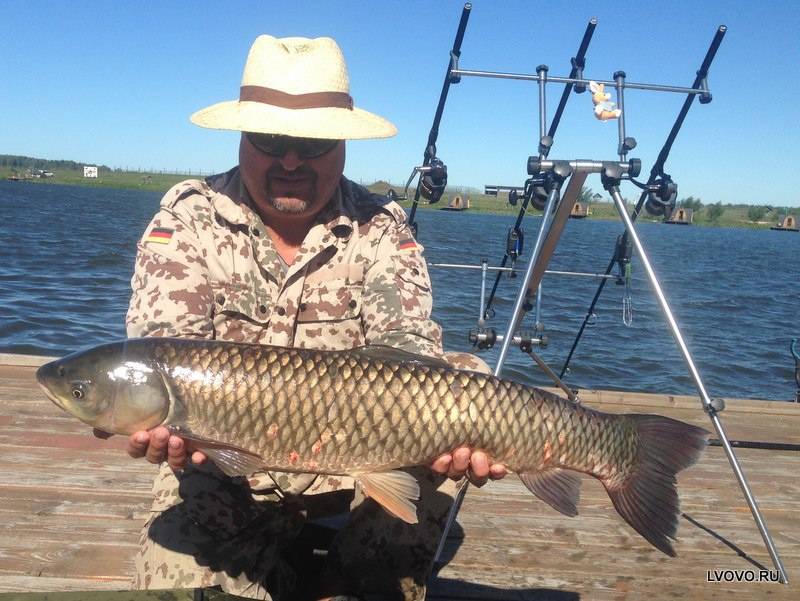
{"points": [[660, 190], [756, 444], [514, 248], [433, 171]]}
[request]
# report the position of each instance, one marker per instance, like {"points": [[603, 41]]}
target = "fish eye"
{"points": [[79, 388]]}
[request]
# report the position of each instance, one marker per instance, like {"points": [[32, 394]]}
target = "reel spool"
{"points": [[434, 181], [662, 196]]}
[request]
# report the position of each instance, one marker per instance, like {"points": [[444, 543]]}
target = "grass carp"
{"points": [[367, 411]]}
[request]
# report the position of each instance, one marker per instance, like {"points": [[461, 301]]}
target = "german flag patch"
{"points": [[407, 245], [160, 235]]}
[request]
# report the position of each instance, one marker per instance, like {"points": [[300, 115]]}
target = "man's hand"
{"points": [[475, 465], [157, 445]]}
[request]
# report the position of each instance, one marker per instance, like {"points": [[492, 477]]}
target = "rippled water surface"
{"points": [[68, 259]]}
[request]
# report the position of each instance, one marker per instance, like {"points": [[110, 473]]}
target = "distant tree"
{"points": [[690, 202], [585, 197], [756, 213], [714, 211]]}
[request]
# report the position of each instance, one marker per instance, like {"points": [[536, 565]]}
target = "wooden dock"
{"points": [[71, 507]]}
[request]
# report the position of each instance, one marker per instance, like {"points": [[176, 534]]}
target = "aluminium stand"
{"points": [[556, 212]]}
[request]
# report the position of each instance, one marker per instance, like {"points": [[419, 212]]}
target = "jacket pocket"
{"points": [[241, 313], [333, 300]]}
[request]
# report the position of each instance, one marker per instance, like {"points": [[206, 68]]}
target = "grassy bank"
{"points": [[732, 216], [132, 180]]}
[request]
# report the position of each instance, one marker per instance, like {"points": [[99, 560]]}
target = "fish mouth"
{"points": [[46, 375], [52, 397]]}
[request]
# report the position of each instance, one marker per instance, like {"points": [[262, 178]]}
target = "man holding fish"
{"points": [[280, 320], [285, 251]]}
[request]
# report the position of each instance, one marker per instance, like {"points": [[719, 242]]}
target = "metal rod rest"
{"points": [[558, 381], [655, 173], [507, 269], [619, 82], [572, 80], [516, 340], [704, 397], [518, 312], [581, 165]]}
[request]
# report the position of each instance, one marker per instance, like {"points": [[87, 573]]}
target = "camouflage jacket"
{"points": [[206, 268]]}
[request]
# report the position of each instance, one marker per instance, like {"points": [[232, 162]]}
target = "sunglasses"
{"points": [[277, 146]]}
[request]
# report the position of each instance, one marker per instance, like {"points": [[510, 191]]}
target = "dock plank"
{"points": [[72, 505]]}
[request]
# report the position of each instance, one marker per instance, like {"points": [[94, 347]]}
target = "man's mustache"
{"points": [[302, 171]]}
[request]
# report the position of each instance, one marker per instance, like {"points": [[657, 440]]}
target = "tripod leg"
{"points": [[707, 404]]}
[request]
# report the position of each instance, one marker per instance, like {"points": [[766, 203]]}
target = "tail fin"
{"points": [[647, 499]]}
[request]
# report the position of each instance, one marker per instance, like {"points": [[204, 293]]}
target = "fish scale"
{"points": [[367, 411], [282, 398]]}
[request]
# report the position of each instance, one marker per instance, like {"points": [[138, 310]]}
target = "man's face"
{"points": [[289, 185]]}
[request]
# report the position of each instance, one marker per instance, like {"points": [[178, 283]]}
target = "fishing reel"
{"points": [[535, 192], [543, 182], [431, 184], [434, 180], [661, 196]]}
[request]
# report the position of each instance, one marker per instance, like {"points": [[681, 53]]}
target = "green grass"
{"points": [[157, 182]]}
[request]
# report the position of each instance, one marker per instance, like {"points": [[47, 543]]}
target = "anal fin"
{"points": [[395, 491], [559, 488]]}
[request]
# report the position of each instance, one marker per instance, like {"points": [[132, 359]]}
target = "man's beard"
{"points": [[289, 204]]}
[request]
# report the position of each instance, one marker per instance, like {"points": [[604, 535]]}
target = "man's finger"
{"points": [[137, 444], [478, 473], [157, 450], [442, 464], [176, 453], [479, 465], [476, 480], [497, 471], [460, 462]]}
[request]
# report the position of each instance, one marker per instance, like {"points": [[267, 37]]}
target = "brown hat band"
{"points": [[312, 100]]}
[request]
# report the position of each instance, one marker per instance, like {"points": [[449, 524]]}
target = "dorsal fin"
{"points": [[381, 352]]}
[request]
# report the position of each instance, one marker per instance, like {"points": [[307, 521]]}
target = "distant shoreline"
{"points": [[733, 216]]}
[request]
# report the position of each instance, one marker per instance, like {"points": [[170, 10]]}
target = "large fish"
{"points": [[366, 412]]}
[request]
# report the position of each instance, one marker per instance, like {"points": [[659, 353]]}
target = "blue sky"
{"points": [[114, 83]]}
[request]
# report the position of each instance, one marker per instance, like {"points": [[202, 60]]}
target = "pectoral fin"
{"points": [[395, 491], [232, 460]]}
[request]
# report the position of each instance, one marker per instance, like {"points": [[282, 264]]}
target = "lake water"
{"points": [[68, 258]]}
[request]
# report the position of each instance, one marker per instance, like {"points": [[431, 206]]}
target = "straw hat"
{"points": [[296, 87]]}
